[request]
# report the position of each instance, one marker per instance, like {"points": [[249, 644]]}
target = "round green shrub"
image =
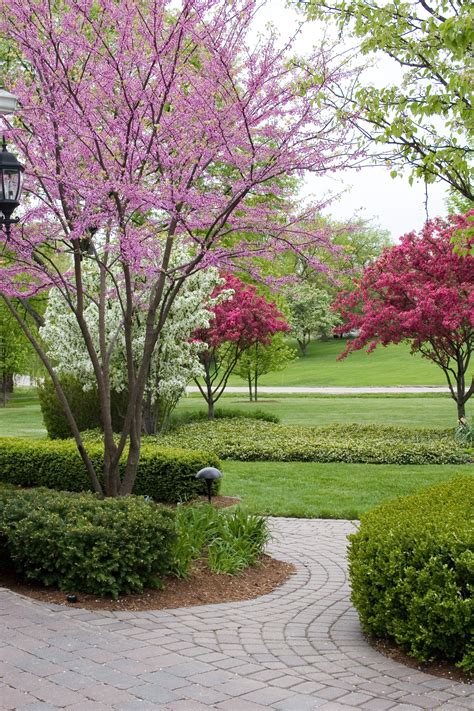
{"points": [[83, 403], [411, 568], [78, 542]]}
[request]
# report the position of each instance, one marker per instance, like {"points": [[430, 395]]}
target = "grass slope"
{"points": [[309, 490], [392, 365]]}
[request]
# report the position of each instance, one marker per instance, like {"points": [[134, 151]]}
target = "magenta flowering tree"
{"points": [[241, 321], [147, 128], [422, 292]]}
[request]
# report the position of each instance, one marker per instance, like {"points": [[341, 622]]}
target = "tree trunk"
{"points": [[149, 416], [461, 411], [255, 386], [249, 379], [302, 344]]}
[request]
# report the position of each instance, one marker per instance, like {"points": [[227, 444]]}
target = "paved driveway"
{"points": [[296, 649]]}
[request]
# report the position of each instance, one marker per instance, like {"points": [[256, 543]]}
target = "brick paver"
{"points": [[298, 648]]}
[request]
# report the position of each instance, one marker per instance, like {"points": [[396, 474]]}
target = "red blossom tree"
{"points": [[239, 323], [422, 292], [150, 130]]}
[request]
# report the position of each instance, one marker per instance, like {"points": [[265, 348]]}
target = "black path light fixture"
{"points": [[11, 172], [209, 474]]}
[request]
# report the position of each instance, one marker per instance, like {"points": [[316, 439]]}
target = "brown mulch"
{"points": [[444, 669], [201, 588]]}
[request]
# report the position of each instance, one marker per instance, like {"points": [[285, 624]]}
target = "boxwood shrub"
{"points": [[412, 572], [250, 440], [164, 473], [79, 543]]}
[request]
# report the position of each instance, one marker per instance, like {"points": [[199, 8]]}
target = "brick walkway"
{"points": [[298, 648]]}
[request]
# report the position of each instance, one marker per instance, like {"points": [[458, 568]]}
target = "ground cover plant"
{"points": [[411, 566], [247, 440]]}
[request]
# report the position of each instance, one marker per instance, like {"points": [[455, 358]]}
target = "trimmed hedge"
{"points": [[78, 542], [164, 473], [84, 405], [250, 440], [412, 572]]}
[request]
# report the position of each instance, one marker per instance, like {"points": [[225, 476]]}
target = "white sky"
{"points": [[370, 193]]}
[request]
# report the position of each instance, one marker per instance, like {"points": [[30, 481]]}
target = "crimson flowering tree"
{"points": [[239, 322], [150, 128], [422, 292]]}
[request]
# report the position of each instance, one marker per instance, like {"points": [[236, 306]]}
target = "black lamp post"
{"points": [[11, 179], [11, 171]]}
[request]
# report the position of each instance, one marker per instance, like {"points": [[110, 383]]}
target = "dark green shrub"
{"points": [[164, 473], [412, 572], [220, 413], [231, 540], [84, 405], [78, 542], [251, 440]]}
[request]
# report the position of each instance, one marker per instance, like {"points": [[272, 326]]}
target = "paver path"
{"points": [[296, 649]]}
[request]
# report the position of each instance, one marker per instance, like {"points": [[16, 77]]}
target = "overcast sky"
{"points": [[371, 192]]}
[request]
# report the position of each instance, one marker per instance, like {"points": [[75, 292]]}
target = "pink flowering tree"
{"points": [[239, 322], [422, 292], [150, 129]]}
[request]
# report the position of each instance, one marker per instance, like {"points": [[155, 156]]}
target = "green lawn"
{"points": [[309, 490], [22, 416], [392, 365], [407, 411]]}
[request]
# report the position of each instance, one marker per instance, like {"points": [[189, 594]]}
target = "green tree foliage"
{"points": [[427, 117], [310, 313], [261, 359], [16, 355]]}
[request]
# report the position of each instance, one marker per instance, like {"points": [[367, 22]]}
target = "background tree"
{"points": [[261, 359], [17, 357], [310, 313], [427, 117], [239, 322], [420, 291], [145, 127], [175, 359]]}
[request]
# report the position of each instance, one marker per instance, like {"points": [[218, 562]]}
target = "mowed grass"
{"points": [[406, 411], [393, 365], [309, 490], [22, 416]]}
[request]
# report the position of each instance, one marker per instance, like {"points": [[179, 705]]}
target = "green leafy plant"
{"points": [[464, 434], [78, 542], [231, 540], [412, 572], [250, 440], [164, 473]]}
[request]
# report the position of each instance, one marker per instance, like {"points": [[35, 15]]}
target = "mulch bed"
{"points": [[201, 588], [443, 669]]}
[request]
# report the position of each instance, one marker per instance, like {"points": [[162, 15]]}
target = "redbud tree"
{"points": [[240, 322], [144, 126], [422, 292]]}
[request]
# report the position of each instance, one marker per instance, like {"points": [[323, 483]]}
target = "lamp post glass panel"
{"points": [[11, 171]]}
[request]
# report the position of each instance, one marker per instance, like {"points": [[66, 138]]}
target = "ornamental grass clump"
{"points": [[411, 569]]}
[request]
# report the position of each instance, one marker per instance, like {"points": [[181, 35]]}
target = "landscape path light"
{"points": [[11, 171], [209, 474]]}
